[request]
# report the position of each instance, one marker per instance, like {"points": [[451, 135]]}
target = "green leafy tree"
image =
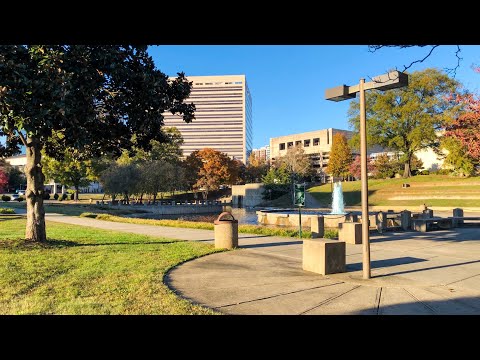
{"points": [[98, 97], [340, 157], [69, 171], [458, 157], [121, 179], [407, 119], [277, 182]]}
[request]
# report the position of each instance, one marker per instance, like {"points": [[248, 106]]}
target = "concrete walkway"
{"points": [[413, 273]]}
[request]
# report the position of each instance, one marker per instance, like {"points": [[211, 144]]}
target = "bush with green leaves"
{"points": [[7, 211], [425, 172], [64, 196], [56, 196], [6, 198], [46, 196], [20, 198]]}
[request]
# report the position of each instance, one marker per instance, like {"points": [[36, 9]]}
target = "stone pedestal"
{"points": [[381, 221], [317, 226], [324, 256], [406, 220], [456, 222], [351, 218], [350, 232], [427, 214]]}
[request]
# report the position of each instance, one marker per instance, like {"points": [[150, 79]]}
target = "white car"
{"points": [[14, 196], [21, 193]]}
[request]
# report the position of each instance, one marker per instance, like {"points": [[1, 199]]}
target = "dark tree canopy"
{"points": [[97, 97]]}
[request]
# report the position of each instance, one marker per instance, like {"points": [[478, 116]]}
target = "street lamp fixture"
{"points": [[391, 80]]}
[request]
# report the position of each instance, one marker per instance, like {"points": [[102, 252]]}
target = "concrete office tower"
{"points": [[223, 119], [317, 144]]}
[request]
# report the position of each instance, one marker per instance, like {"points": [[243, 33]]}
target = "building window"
{"points": [[299, 142], [328, 137], [289, 144], [237, 82], [282, 146], [316, 141], [306, 143], [208, 83]]}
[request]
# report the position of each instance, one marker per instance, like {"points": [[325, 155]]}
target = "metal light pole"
{"points": [[391, 80], [364, 175]]}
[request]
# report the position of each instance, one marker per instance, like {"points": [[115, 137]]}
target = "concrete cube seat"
{"points": [[324, 256]]}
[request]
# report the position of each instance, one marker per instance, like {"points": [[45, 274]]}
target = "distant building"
{"points": [[317, 144], [223, 116], [262, 153]]}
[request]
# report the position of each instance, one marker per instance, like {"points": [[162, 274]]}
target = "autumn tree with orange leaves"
{"points": [[462, 136], [216, 169]]}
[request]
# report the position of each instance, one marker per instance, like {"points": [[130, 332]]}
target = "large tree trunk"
{"points": [[406, 172], [35, 229]]}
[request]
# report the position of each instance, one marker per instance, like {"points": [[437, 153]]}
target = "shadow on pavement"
{"points": [[386, 263]]}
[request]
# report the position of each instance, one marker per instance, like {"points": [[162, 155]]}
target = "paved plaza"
{"points": [[436, 272]]}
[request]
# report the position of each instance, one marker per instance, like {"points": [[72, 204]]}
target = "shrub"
{"points": [[20, 198], [89, 215], [55, 196], [46, 196], [444, 172], [6, 198], [425, 172], [64, 196], [6, 211]]}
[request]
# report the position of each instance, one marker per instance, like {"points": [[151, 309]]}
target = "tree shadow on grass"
{"points": [[21, 244]]}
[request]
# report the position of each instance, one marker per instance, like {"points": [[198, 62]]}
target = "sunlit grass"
{"points": [[83, 270]]}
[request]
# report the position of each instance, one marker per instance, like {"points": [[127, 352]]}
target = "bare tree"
{"points": [[451, 71]]}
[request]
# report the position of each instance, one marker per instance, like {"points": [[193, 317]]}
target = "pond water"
{"points": [[244, 216]]}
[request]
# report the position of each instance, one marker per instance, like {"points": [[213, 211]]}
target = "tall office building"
{"points": [[262, 153], [223, 116]]}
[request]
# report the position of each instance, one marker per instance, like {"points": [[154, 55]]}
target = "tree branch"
{"points": [[451, 71], [24, 141]]}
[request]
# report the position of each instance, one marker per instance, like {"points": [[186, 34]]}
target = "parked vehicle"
{"points": [[21, 192], [15, 196]]}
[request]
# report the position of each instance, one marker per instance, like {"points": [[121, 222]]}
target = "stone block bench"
{"points": [[460, 220], [324, 256], [424, 225]]}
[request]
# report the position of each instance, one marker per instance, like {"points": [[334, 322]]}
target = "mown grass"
{"points": [[83, 270], [422, 186], [247, 229]]}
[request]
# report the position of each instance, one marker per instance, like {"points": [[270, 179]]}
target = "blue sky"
{"points": [[288, 83]]}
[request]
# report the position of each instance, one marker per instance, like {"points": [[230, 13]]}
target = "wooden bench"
{"points": [[424, 225]]}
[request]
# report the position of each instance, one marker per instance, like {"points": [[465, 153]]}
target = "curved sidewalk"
{"points": [[413, 273]]}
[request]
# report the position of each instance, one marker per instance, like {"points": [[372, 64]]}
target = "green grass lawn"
{"points": [[84, 270], [432, 190]]}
